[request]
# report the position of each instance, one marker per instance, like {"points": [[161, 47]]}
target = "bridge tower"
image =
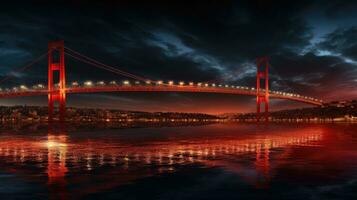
{"points": [[262, 96], [56, 94]]}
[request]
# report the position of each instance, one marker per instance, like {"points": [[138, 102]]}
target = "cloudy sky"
{"points": [[312, 47]]}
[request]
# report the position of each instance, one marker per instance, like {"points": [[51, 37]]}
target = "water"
{"points": [[219, 161]]}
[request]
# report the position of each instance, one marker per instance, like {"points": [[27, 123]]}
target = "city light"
{"points": [[54, 144]]}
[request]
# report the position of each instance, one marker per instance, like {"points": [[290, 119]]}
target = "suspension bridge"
{"points": [[57, 92]]}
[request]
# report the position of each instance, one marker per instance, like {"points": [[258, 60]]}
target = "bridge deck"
{"points": [[163, 88]]}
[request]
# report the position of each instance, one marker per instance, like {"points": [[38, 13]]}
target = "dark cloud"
{"points": [[338, 9], [342, 41]]}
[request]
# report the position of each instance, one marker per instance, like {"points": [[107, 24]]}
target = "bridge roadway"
{"points": [[162, 88]]}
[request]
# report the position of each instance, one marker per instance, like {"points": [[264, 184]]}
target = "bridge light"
{"points": [[190, 83], [112, 82], [75, 84], [206, 84], [88, 83], [100, 83], [199, 84], [148, 82], [159, 82], [137, 82], [126, 82], [171, 82], [181, 83], [23, 87], [252, 88], [40, 85], [213, 85], [219, 85]]}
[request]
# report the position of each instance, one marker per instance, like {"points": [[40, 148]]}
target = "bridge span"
{"points": [[234, 90], [57, 92]]}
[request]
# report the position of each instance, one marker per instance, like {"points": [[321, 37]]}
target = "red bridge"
{"points": [[57, 92]]}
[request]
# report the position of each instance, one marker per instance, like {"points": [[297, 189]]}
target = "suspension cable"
{"points": [[98, 66], [27, 66], [104, 66], [281, 79]]}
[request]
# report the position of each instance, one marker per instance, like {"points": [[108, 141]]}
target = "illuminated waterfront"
{"points": [[203, 162]]}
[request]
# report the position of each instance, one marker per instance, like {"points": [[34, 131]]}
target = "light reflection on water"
{"points": [[119, 157]]}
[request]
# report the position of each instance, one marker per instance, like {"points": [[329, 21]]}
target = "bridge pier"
{"points": [[56, 63], [262, 73]]}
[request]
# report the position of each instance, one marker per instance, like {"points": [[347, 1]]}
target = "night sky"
{"points": [[312, 47]]}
